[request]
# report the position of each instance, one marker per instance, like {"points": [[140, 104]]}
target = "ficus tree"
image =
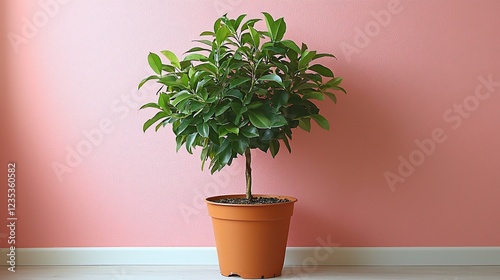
{"points": [[240, 89]]}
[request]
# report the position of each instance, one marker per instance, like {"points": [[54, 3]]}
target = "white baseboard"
{"points": [[296, 256]]}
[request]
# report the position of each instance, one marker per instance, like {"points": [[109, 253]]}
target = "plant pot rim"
{"points": [[210, 200]]}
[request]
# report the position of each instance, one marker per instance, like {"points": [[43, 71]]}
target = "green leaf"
{"points": [[207, 33], [182, 126], [155, 62], [305, 124], [205, 42], [280, 98], [259, 119], [266, 135], [190, 141], [272, 78], [154, 77], [274, 147], [306, 57], [161, 124], [234, 93], [181, 96], [209, 113], [314, 95], [278, 121], [319, 55], [321, 121], [168, 80], [255, 37], [270, 25], [195, 56], [287, 144], [322, 70], [225, 156], [150, 105], [203, 129], [280, 27], [172, 57], [249, 131], [255, 105], [249, 23], [241, 145], [291, 45], [197, 49], [232, 129], [163, 102], [221, 35], [221, 108], [238, 81], [180, 139], [340, 88], [331, 96], [154, 119], [207, 67], [334, 82], [306, 86], [238, 21]]}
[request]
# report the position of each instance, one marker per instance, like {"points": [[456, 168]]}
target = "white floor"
{"points": [[211, 272]]}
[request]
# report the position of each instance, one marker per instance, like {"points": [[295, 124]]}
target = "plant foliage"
{"points": [[240, 89]]}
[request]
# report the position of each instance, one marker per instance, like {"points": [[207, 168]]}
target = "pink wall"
{"points": [[414, 76]]}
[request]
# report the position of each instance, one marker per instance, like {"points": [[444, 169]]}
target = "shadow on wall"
{"points": [[4, 81], [5, 139]]}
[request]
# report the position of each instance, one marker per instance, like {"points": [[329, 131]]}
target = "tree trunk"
{"points": [[248, 173]]}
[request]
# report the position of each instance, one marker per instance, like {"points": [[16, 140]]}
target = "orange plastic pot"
{"points": [[251, 239]]}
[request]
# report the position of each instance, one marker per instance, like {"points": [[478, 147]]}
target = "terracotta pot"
{"points": [[251, 239]]}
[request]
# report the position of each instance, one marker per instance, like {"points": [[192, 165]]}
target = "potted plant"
{"points": [[242, 89]]}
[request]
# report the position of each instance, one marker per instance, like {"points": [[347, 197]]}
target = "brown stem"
{"points": [[248, 173]]}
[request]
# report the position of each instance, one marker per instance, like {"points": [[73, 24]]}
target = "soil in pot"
{"points": [[254, 200]]}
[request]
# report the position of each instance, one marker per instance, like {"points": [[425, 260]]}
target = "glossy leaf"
{"points": [[239, 81], [322, 70], [270, 25], [321, 121], [172, 57], [334, 82], [154, 119], [153, 77], [331, 96], [249, 131], [274, 147], [183, 95], [314, 95], [234, 93], [155, 63], [305, 124], [203, 129], [280, 29], [150, 105], [291, 45], [221, 35], [255, 36], [190, 141], [259, 120], [271, 77], [195, 56]]}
